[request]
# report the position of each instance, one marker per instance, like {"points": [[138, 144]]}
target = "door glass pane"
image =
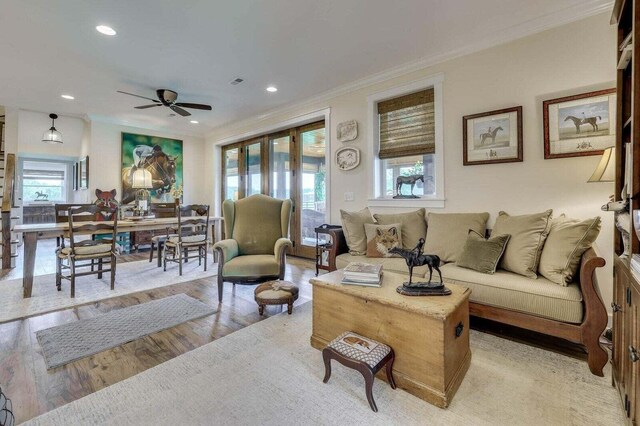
{"points": [[280, 167], [231, 174], [313, 213], [254, 179]]}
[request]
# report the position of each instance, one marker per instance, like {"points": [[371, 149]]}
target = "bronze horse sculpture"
{"points": [[407, 180], [491, 134], [414, 257], [593, 121], [163, 174]]}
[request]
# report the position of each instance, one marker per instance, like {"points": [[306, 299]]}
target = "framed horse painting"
{"points": [[161, 157], [579, 125], [492, 137]]}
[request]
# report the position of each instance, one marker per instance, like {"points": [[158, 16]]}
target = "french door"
{"points": [[287, 164]]}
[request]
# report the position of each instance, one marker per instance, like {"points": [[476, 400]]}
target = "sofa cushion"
{"points": [[528, 233], [255, 265], [567, 241], [413, 224], [447, 233], [353, 228], [382, 238], [481, 254], [390, 264], [507, 290]]}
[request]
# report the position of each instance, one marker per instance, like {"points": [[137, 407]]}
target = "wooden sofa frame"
{"points": [[586, 333]]}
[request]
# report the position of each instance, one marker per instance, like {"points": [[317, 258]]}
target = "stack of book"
{"points": [[365, 274]]}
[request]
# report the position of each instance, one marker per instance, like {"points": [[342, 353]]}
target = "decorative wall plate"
{"points": [[347, 158], [347, 131]]}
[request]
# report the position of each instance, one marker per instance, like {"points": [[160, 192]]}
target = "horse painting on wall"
{"points": [[579, 125], [162, 157], [492, 137]]}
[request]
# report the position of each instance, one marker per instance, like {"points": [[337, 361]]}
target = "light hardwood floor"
{"points": [[34, 390]]}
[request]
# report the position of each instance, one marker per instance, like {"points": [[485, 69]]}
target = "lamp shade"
{"points": [[141, 179], [606, 169], [52, 135]]}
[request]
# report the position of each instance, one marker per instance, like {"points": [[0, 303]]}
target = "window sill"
{"points": [[436, 203]]}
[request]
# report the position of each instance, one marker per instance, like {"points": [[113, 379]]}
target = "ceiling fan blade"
{"points": [[137, 96], [180, 111], [147, 106], [194, 106]]}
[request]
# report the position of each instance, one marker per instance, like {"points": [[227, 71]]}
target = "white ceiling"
{"points": [[196, 47]]}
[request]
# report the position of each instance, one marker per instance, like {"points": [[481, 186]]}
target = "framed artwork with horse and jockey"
{"points": [[162, 157], [579, 125], [492, 137]]}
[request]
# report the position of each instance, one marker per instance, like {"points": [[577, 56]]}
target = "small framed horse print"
{"points": [[579, 125], [492, 137]]}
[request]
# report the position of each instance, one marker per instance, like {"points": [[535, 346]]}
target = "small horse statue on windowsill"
{"points": [[407, 180], [41, 196], [413, 258]]}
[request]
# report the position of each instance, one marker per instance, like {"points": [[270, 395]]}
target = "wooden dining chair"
{"points": [[192, 235], [161, 210], [62, 216], [82, 253]]}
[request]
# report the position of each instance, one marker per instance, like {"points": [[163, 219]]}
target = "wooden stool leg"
{"points": [[160, 247], [368, 386], [261, 309], [100, 268], [180, 260], [389, 370], [73, 279], [290, 308], [326, 356]]}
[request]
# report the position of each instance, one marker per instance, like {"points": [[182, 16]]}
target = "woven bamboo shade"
{"points": [[407, 125]]}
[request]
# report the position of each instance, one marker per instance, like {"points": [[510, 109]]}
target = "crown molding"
{"points": [[533, 26]]}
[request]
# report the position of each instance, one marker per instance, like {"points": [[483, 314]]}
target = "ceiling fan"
{"points": [[168, 98]]}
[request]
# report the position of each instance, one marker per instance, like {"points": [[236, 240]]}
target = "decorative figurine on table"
{"points": [[415, 257]]}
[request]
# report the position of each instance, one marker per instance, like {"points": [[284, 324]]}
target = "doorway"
{"points": [[285, 164]]}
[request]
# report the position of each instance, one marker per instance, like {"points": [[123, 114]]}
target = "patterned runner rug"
{"points": [[69, 342]]}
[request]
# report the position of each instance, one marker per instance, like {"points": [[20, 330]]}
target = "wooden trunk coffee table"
{"points": [[429, 334]]}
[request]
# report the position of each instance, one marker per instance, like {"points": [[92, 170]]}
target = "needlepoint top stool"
{"points": [[276, 292], [362, 354]]}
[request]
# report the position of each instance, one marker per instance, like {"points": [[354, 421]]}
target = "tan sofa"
{"points": [[575, 312]]}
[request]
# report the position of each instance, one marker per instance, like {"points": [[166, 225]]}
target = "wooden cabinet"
{"points": [[626, 297], [626, 339]]}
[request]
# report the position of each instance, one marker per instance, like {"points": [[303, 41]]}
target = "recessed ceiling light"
{"points": [[272, 89], [106, 30], [194, 122], [69, 97]]}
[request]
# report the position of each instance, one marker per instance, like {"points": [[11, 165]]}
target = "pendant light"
{"points": [[52, 136]]}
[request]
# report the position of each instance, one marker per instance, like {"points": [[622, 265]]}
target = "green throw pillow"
{"points": [[482, 254]]}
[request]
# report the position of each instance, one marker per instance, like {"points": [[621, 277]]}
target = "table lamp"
{"points": [[141, 180]]}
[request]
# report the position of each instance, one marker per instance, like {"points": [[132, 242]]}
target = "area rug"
{"points": [[68, 342], [268, 374], [131, 277]]}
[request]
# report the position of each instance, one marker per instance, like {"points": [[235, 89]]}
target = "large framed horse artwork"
{"points": [[578, 125], [162, 157], [492, 137]]}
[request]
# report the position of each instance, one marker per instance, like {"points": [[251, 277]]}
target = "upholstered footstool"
{"points": [[362, 354], [276, 293]]}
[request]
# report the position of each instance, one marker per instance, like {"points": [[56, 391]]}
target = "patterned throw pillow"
{"points": [[382, 238]]}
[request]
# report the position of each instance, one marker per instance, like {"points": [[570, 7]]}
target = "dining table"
{"points": [[32, 232]]}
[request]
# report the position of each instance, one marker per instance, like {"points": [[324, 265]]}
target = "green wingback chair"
{"points": [[256, 230]]}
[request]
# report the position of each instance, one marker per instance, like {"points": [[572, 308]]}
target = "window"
{"points": [[407, 132], [44, 181]]}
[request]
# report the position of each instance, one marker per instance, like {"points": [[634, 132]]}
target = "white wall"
{"points": [[574, 58], [31, 126]]}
